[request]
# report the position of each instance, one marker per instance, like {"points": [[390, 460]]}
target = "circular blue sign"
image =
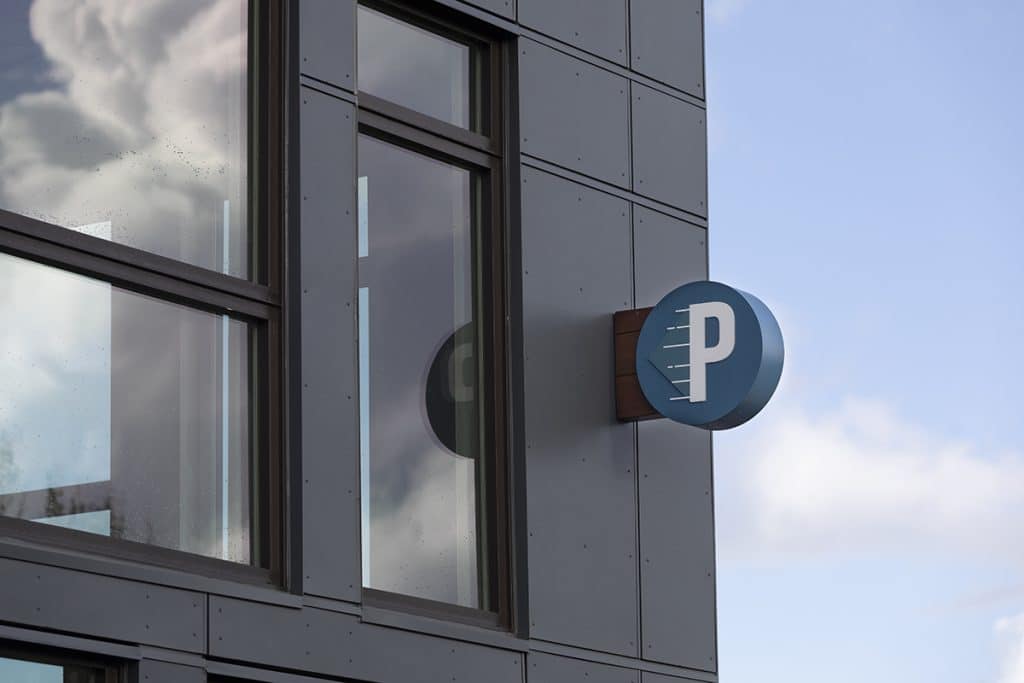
{"points": [[709, 355]]}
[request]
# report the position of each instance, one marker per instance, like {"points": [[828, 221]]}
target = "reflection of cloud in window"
{"points": [[55, 361], [144, 126], [423, 510]]}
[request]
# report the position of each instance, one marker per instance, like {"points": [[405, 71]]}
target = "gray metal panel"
{"points": [[545, 668], [152, 671], [301, 639], [668, 253], [504, 8], [426, 659], [573, 114], [597, 26], [581, 502], [670, 150], [337, 644], [668, 42], [677, 552], [76, 602], [677, 545], [650, 677], [330, 435], [328, 41]]}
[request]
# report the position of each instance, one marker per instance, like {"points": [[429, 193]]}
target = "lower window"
{"points": [[18, 668], [428, 468], [126, 416]]}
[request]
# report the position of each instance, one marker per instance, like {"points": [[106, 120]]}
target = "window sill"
{"points": [[27, 551]]}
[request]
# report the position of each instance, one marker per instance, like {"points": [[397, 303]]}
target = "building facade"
{"points": [[309, 362]]}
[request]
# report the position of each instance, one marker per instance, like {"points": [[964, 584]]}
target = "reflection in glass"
{"points": [[415, 68], [421, 403], [132, 118], [123, 415], [21, 671]]}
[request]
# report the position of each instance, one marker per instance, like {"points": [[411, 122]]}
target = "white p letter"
{"points": [[700, 353]]}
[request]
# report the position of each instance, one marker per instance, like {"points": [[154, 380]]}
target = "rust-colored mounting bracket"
{"points": [[630, 404]]}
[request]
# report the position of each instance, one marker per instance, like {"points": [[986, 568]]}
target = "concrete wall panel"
{"points": [[328, 41], [651, 677], [668, 42], [330, 418], [669, 252], [670, 150], [597, 26], [335, 644], [580, 481], [677, 552], [677, 545], [503, 8], [76, 602], [573, 114], [152, 671], [545, 668]]}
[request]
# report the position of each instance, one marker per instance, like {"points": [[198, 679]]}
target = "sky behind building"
{"points": [[866, 180]]}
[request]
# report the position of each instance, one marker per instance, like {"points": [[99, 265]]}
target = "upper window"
{"points": [[123, 415], [431, 318], [137, 400], [131, 124], [423, 70]]}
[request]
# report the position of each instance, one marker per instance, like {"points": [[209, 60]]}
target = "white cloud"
{"points": [[424, 543], [721, 11], [54, 360], [143, 124], [1010, 637], [860, 479], [138, 120]]}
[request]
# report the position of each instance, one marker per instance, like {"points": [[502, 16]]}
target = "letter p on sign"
{"points": [[701, 355]]}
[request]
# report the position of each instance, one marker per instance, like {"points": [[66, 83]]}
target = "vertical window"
{"points": [[139, 293], [431, 321]]}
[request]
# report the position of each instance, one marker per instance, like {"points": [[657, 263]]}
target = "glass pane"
{"points": [[415, 68], [128, 121], [20, 671], [421, 397], [123, 415], [30, 672]]}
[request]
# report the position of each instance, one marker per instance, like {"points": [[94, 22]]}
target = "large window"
{"points": [[431, 321], [139, 283], [130, 124]]}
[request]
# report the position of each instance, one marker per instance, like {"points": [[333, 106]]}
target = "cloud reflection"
{"points": [[143, 125]]}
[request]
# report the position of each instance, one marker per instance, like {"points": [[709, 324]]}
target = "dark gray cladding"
{"points": [[615, 579]]}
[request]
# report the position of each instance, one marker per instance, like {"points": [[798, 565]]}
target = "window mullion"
{"points": [[260, 304], [423, 141]]}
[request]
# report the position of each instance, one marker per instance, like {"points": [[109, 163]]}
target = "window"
{"points": [[17, 665], [419, 69], [139, 284], [431, 315], [131, 126]]}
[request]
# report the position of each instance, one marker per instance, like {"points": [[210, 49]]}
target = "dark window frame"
{"points": [[111, 672], [258, 301], [487, 154]]}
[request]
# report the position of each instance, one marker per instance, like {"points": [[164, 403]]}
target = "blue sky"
{"points": [[867, 181]]}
